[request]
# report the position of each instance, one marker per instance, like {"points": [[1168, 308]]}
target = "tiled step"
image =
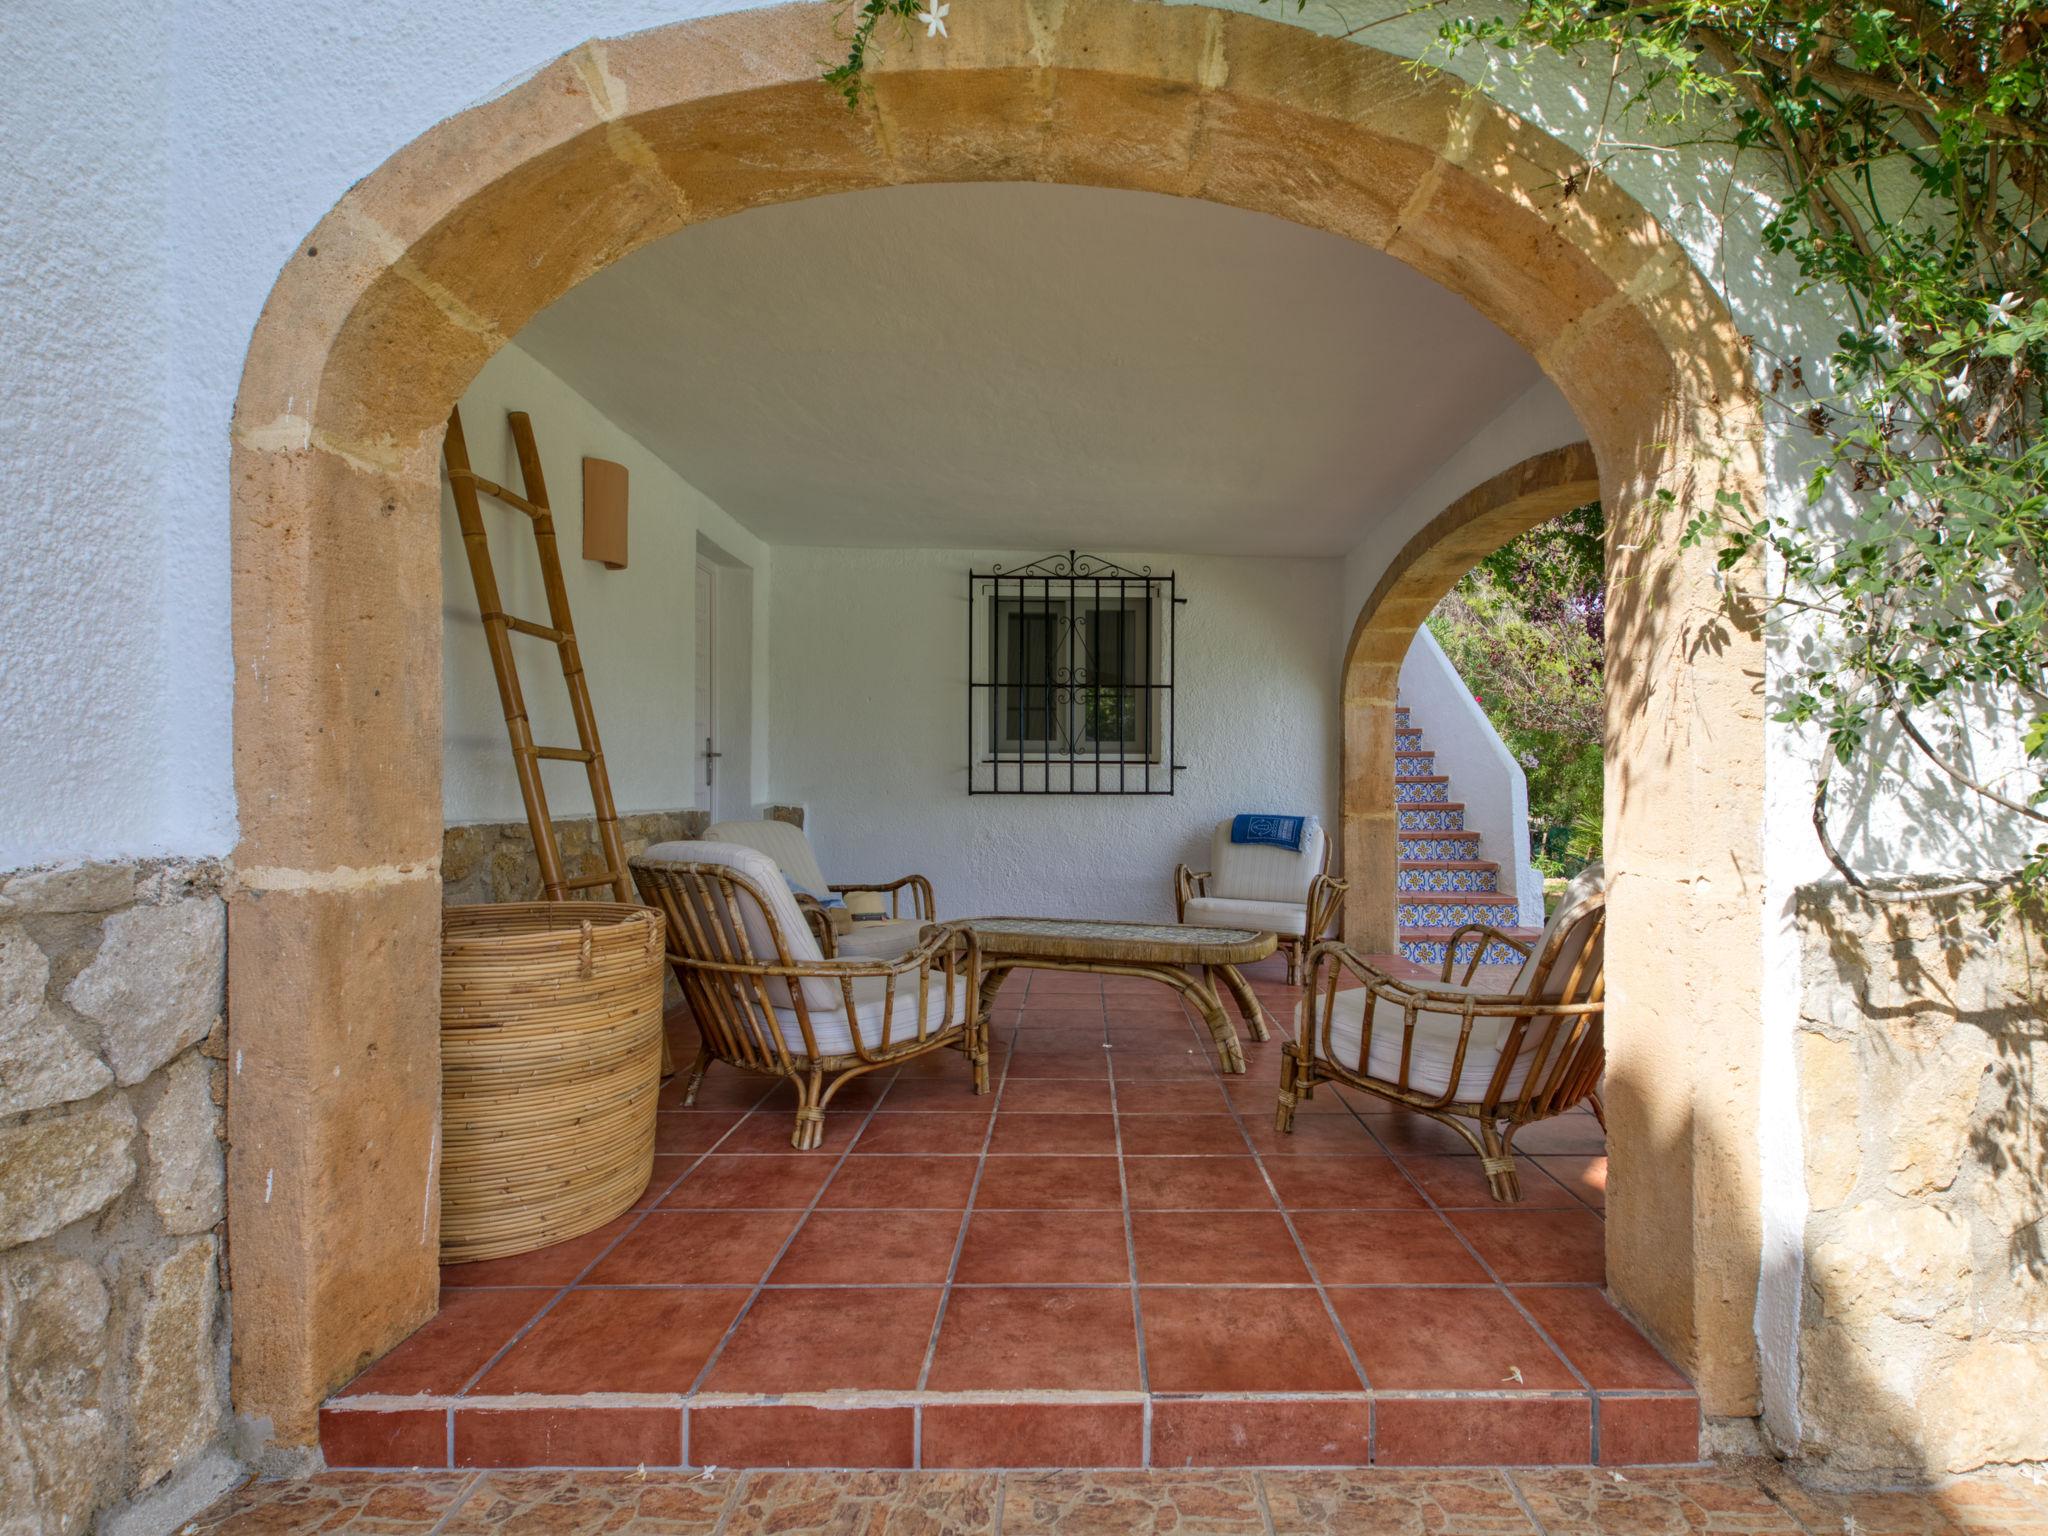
{"points": [[1411, 764], [1452, 910], [1425, 946], [1421, 789], [1407, 740], [1443, 816], [1439, 845], [1445, 877]]}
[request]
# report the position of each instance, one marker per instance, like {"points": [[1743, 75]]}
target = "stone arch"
{"points": [[1517, 499], [387, 310]]}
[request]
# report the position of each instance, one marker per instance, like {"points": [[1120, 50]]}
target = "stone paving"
{"points": [[1730, 1499]]}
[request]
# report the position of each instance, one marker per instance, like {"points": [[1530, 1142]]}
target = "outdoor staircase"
{"points": [[1443, 882]]}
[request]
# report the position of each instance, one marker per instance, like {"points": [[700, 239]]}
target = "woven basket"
{"points": [[550, 1068]]}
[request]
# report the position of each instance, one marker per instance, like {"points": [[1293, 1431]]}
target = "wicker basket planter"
{"points": [[550, 1068]]}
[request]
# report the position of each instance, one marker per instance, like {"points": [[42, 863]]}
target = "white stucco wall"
{"points": [[870, 730], [636, 627]]}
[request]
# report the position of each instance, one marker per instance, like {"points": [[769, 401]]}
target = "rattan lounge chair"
{"points": [[838, 932], [1495, 1059], [766, 999], [1268, 890]]}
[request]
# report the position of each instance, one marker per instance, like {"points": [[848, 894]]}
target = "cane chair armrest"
{"points": [[1488, 935], [923, 904], [1187, 885], [818, 917], [1326, 907]]}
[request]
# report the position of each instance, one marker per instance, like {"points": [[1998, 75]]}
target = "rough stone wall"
{"points": [[1924, 1325], [113, 1321], [494, 861]]}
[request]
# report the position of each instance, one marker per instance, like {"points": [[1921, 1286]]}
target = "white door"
{"points": [[707, 671]]}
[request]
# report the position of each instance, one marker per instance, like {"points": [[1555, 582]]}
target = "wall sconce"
{"points": [[604, 513]]}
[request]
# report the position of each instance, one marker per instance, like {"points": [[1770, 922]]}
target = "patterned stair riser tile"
{"points": [[1416, 762], [1455, 914], [1411, 792], [1423, 819], [1445, 847], [1430, 952], [1449, 882]]}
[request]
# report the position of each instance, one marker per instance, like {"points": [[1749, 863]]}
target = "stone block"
{"points": [[41, 1061], [1830, 1095], [186, 1178], [174, 1389], [1985, 1407], [1882, 1260], [1930, 1080], [62, 1166], [155, 985], [53, 1317], [78, 887]]}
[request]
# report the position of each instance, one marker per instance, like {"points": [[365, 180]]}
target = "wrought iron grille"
{"points": [[1070, 671]]}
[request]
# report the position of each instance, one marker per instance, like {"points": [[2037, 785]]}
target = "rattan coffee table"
{"points": [[1177, 954]]}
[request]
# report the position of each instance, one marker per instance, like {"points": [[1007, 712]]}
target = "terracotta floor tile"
{"points": [[693, 1130], [1445, 1503], [1124, 1503], [827, 1341], [553, 1266], [1605, 1346], [1037, 1339], [1066, 1134], [934, 1096], [1196, 1184], [1460, 1338], [1079, 1016], [1179, 1096], [452, 1346], [1215, 1248], [1242, 1340], [1058, 1061], [789, 1181], [952, 1134], [617, 1341], [793, 1435], [697, 1248], [723, 1087], [870, 1248], [866, 1504], [1649, 1431], [1343, 1183], [1482, 1431], [1313, 1136], [1045, 985], [1455, 1182], [1584, 1176], [1182, 1136], [768, 1131], [901, 1183], [1525, 1246], [1403, 1130], [576, 1503], [1049, 1183], [1385, 1248], [564, 1435], [1142, 1066], [1259, 1432], [1062, 1434], [1056, 1095], [1044, 1248], [407, 1437], [666, 1171], [1577, 1133]]}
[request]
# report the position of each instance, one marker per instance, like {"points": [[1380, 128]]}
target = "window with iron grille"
{"points": [[1070, 679]]}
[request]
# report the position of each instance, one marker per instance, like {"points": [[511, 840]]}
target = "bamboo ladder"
{"points": [[500, 626]]}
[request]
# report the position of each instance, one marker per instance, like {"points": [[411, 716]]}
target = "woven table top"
{"points": [[1081, 939]]}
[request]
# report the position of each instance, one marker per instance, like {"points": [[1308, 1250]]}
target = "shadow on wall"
{"points": [[1923, 1342]]}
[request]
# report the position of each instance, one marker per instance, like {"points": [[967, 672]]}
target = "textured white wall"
{"points": [[636, 626], [870, 730]]}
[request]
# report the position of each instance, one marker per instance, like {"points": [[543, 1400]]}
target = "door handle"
{"points": [[709, 756]]}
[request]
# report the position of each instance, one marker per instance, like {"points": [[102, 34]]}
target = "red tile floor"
{"points": [[1111, 1261]]}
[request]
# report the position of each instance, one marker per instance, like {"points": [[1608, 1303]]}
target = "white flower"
{"points": [[934, 18], [1891, 333], [1958, 386], [2007, 306]]}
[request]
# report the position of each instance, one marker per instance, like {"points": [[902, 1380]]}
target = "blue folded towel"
{"points": [[1273, 831], [827, 900]]}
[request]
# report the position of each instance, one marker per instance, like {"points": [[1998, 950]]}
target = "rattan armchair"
{"points": [[767, 1000], [836, 929], [1484, 1063], [1292, 896]]}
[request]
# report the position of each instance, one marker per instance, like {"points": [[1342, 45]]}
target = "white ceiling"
{"points": [[1012, 365]]}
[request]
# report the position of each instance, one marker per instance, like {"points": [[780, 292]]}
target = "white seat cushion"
{"points": [[782, 842], [880, 939], [760, 871], [870, 1003], [1429, 1059], [1285, 917], [1256, 872]]}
